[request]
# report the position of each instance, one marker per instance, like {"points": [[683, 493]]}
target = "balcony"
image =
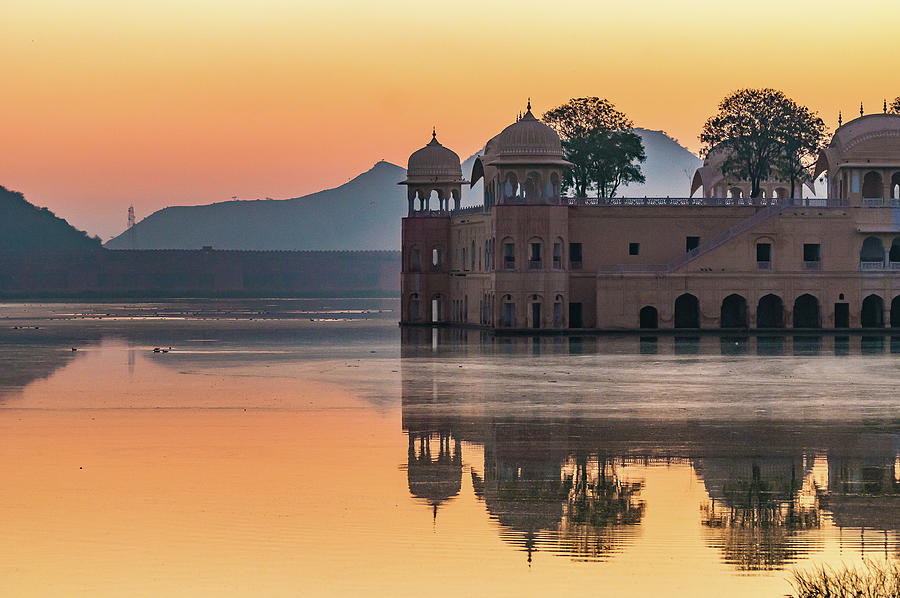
{"points": [[871, 265], [509, 263], [575, 265], [535, 264], [817, 265], [873, 202], [763, 265]]}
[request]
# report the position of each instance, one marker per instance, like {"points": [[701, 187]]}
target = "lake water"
{"points": [[313, 448]]}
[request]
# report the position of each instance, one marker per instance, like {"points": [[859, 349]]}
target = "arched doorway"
{"points": [[649, 317], [872, 313], [806, 312], [873, 188], [770, 312], [895, 312], [687, 311], [734, 312], [871, 254]]}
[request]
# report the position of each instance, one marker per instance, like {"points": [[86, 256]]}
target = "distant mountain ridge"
{"points": [[25, 227], [364, 213]]}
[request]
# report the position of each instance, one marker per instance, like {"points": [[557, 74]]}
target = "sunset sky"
{"points": [[108, 103]]}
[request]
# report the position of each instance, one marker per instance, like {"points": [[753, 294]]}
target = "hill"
{"points": [[26, 227], [363, 213]]}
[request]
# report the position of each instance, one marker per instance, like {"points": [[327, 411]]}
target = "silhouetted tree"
{"points": [[894, 107], [762, 131], [600, 144], [801, 139]]}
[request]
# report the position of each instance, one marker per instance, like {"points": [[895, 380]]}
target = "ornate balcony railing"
{"points": [[763, 265], [817, 265], [873, 202], [534, 264], [871, 265]]}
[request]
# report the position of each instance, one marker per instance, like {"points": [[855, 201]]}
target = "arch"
{"points": [[780, 193], [413, 311], [770, 312], [535, 250], [687, 311], [806, 312], [736, 193], [895, 186], [871, 314], [558, 304], [436, 256], [872, 250], [509, 312], [532, 187], [437, 308], [872, 188], [895, 312], [894, 254], [454, 196], [415, 259], [649, 317], [435, 196], [556, 185], [508, 247], [510, 186], [734, 312]]}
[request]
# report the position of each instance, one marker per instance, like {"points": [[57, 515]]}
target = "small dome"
{"points": [[434, 161], [528, 140]]}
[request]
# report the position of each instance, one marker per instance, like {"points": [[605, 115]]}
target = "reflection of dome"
{"points": [[434, 162], [528, 141], [434, 480]]}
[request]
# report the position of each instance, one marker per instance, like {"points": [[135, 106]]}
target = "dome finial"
{"points": [[529, 104], [840, 119], [433, 132], [885, 105], [860, 109]]}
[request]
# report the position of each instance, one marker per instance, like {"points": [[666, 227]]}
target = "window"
{"points": [[509, 256], [764, 256], [464, 258], [575, 315], [575, 255], [472, 253], [634, 249], [691, 243], [811, 252], [811, 256], [435, 257], [415, 260], [534, 258], [557, 256]]}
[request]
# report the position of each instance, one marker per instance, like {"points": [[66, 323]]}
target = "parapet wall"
{"points": [[199, 273]]}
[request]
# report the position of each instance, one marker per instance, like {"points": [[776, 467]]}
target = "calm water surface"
{"points": [[312, 448]]}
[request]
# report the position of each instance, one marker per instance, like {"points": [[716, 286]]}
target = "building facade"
{"points": [[531, 258]]}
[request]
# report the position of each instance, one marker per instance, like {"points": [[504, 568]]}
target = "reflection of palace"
{"points": [[566, 482], [531, 258]]}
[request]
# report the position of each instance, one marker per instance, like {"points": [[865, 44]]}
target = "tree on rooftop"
{"points": [[894, 107], [599, 142], [763, 132], [801, 139]]}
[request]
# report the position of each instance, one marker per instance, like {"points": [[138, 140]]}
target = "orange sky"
{"points": [[107, 104]]}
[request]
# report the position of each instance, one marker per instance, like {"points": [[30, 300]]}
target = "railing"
{"points": [[509, 263], [726, 236], [706, 201], [469, 210], [534, 264], [871, 265], [575, 264], [816, 265], [632, 268], [872, 202], [894, 265], [763, 265]]}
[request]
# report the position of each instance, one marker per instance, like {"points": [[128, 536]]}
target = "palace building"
{"points": [[531, 258]]}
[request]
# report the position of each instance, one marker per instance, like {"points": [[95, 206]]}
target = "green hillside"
{"points": [[26, 227]]}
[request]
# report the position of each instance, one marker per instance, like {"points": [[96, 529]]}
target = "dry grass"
{"points": [[874, 579]]}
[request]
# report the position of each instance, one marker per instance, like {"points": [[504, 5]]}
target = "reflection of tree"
{"points": [[576, 507], [757, 516], [597, 506]]}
